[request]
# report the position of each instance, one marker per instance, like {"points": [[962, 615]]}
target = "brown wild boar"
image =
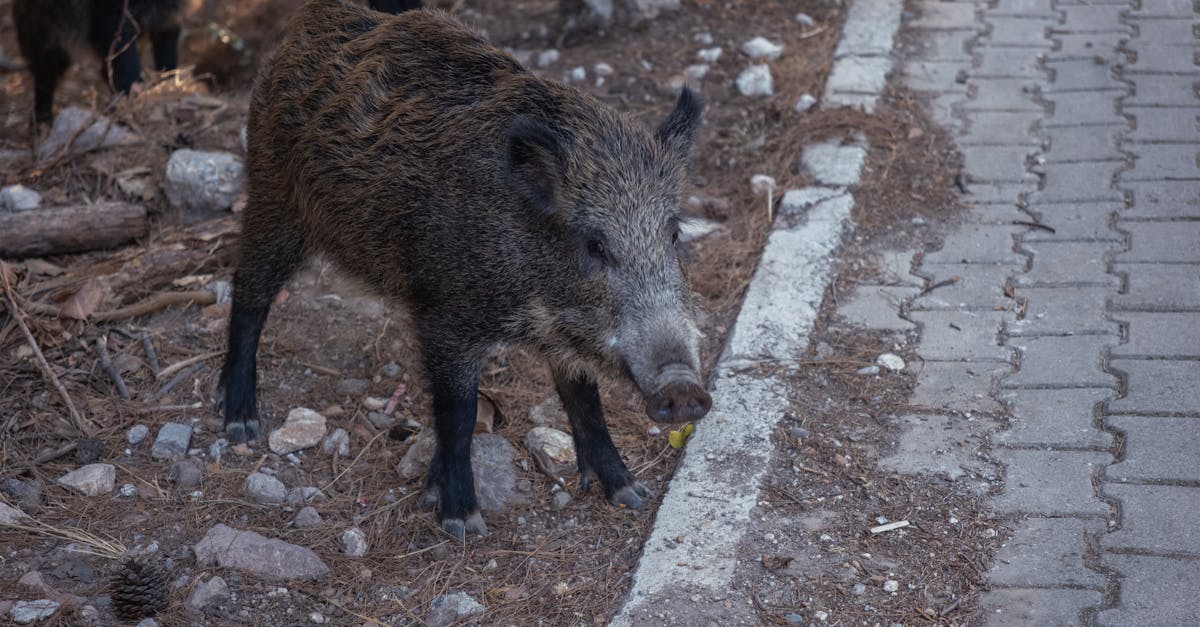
{"points": [[47, 31], [499, 207]]}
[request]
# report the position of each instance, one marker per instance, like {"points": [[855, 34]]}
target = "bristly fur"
{"points": [[499, 206]]}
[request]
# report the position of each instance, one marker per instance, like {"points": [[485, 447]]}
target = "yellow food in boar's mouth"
{"points": [[677, 438]]}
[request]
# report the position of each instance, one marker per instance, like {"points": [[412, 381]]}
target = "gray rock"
{"points": [[11, 515], [260, 556], [25, 612], [553, 450], [446, 609], [578, 74], [19, 198], [172, 441], [306, 494], [263, 488], [391, 370], [186, 472], [208, 593], [89, 615], [710, 55], [91, 480], [84, 130], [561, 499], [549, 413], [217, 449], [27, 493], [546, 58], [804, 103], [147, 622], [762, 48], [859, 589], [354, 542], [302, 429], [696, 72], [491, 460], [867, 370], [348, 387], [891, 361], [755, 81], [602, 70], [203, 181], [136, 434], [337, 442], [307, 518], [380, 420]]}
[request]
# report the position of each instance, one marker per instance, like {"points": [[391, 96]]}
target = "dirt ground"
{"points": [[539, 565]]}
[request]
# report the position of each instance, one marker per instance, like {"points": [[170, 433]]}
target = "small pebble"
{"points": [[602, 69], [137, 433], [805, 103], [704, 39], [561, 499], [868, 370], [579, 74], [128, 490], [762, 48], [318, 618], [859, 589], [709, 55], [891, 361], [891, 585], [805, 19], [755, 81], [547, 58]]}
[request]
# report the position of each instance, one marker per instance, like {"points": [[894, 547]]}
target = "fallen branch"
{"points": [[176, 367], [179, 378], [74, 229], [151, 355], [161, 300], [107, 365]]}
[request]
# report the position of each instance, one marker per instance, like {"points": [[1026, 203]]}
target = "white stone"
{"points": [[337, 442], [805, 19], [602, 69], [553, 449], [755, 81], [263, 488], [91, 480], [547, 58], [891, 585], [204, 181], [804, 103], [891, 361], [19, 198], [10, 515], [25, 612], [762, 48], [710, 55], [696, 72], [302, 429], [354, 542], [579, 74], [761, 184]]}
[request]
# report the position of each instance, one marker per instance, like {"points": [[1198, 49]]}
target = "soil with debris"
{"points": [[335, 349]]}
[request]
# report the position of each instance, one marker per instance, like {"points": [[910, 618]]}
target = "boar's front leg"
{"points": [[597, 455], [451, 484]]}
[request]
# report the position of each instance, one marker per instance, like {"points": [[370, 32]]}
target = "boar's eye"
{"points": [[675, 237], [595, 248]]}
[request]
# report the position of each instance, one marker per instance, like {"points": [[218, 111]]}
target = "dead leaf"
{"points": [[84, 301], [776, 562]]}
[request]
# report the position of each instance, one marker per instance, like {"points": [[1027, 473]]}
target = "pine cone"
{"points": [[140, 590]]}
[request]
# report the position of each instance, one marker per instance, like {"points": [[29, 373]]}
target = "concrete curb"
{"points": [[692, 551]]}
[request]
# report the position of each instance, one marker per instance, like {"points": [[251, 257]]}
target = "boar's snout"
{"points": [[680, 397]]}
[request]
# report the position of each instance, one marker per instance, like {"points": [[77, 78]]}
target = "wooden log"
{"points": [[71, 229]]}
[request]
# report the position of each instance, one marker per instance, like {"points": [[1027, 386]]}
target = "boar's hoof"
{"points": [[630, 496], [459, 529], [239, 432], [679, 402], [429, 499]]}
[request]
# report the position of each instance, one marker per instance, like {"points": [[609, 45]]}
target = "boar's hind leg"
{"points": [[594, 448], [451, 484], [271, 249]]}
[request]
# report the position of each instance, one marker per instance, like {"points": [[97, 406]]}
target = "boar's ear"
{"points": [[678, 131], [534, 165]]}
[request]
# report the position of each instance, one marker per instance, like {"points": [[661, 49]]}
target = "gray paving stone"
{"points": [[869, 28], [1023, 32], [946, 16], [1001, 213], [1086, 46], [978, 287], [1159, 124], [943, 111], [1160, 334], [1001, 164], [942, 45], [1083, 143], [1075, 222], [957, 387], [1044, 552], [1074, 108], [1159, 287], [1158, 387], [1003, 94], [1086, 181], [1157, 162], [1156, 449], [859, 75], [1165, 8], [1172, 242], [1162, 199], [993, 193], [1081, 75], [1039, 8], [1155, 518], [947, 446], [1092, 18], [1154, 591], [962, 335], [938, 76], [1068, 263], [1067, 361], [1009, 62], [895, 268], [1167, 32], [1021, 607], [979, 243], [877, 307], [1050, 483], [1152, 90], [1054, 418], [1063, 311], [1155, 59]]}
